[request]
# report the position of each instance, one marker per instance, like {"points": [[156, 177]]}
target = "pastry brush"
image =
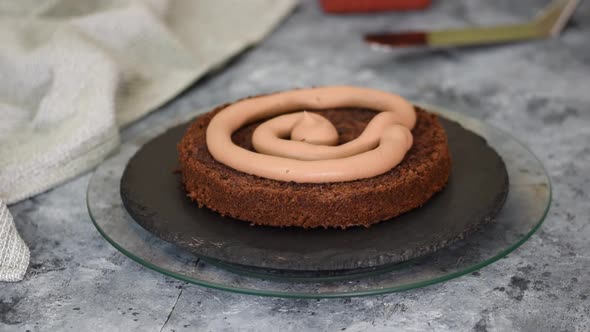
{"points": [[548, 23]]}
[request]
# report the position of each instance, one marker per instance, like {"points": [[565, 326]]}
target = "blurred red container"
{"points": [[355, 6]]}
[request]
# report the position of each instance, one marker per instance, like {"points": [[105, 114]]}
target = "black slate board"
{"points": [[153, 195]]}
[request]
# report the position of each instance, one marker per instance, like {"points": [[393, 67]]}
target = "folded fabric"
{"points": [[73, 72], [14, 254]]}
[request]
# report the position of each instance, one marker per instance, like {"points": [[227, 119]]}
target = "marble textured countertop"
{"points": [[539, 91]]}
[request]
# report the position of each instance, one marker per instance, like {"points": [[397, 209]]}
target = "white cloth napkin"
{"points": [[72, 72]]}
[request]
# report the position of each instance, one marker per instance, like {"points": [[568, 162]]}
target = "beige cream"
{"points": [[301, 146]]}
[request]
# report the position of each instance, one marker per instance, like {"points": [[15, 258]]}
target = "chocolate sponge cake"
{"points": [[423, 171]]}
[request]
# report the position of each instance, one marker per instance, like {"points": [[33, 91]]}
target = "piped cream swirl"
{"points": [[301, 146]]}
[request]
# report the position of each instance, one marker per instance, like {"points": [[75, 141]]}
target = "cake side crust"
{"points": [[423, 172]]}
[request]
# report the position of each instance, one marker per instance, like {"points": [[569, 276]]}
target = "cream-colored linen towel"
{"points": [[72, 72], [14, 254]]}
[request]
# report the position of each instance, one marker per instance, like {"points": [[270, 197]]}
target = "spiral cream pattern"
{"points": [[301, 146]]}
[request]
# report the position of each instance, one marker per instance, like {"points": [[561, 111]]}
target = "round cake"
{"points": [[287, 167]]}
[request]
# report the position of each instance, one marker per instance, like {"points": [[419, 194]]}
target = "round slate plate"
{"points": [[153, 195]]}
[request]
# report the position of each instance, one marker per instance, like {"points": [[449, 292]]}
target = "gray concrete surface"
{"points": [[539, 91]]}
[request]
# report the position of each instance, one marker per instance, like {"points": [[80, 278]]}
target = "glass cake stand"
{"points": [[525, 209]]}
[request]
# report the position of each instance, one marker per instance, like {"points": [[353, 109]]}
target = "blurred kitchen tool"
{"points": [[548, 23], [354, 6]]}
